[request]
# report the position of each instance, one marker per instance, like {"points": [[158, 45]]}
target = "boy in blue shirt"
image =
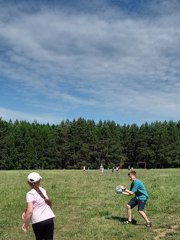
{"points": [[137, 188]]}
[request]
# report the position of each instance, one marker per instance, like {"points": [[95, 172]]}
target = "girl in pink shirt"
{"points": [[38, 210]]}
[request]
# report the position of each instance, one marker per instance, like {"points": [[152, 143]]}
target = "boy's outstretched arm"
{"points": [[126, 191]]}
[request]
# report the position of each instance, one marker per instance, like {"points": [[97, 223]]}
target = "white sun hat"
{"points": [[34, 177]]}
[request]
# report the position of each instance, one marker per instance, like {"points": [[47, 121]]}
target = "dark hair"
{"points": [[132, 173], [36, 187]]}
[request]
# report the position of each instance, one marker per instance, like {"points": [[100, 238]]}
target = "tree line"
{"points": [[77, 143]]}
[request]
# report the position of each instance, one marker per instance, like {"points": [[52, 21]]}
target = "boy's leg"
{"points": [[141, 206], [133, 202], [142, 213], [129, 213]]}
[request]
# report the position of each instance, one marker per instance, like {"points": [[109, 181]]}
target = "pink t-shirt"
{"points": [[41, 211]]}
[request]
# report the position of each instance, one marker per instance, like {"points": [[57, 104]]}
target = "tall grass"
{"points": [[86, 206]]}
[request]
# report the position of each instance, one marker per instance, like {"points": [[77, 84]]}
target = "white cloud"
{"points": [[91, 60], [8, 114]]}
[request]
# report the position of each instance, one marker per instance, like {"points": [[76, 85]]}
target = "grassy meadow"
{"points": [[87, 208]]}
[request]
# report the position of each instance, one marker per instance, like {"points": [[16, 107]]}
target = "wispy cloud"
{"points": [[9, 114], [91, 63]]}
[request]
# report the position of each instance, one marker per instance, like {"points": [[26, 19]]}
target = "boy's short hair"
{"points": [[132, 173]]}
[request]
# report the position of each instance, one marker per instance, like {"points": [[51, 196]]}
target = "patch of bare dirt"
{"points": [[161, 233]]}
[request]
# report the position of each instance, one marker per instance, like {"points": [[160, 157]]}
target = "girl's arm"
{"points": [[26, 216]]}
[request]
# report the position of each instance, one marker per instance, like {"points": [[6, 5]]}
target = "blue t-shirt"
{"points": [[138, 188]]}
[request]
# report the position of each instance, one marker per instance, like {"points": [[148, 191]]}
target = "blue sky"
{"points": [[101, 59]]}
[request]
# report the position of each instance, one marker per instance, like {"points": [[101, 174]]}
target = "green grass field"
{"points": [[87, 207]]}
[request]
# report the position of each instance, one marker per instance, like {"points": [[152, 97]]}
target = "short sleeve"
{"points": [[30, 197]]}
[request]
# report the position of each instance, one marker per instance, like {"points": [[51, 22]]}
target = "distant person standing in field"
{"points": [[101, 168], [140, 199], [38, 210]]}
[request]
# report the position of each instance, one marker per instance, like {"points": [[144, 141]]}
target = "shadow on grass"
{"points": [[121, 219]]}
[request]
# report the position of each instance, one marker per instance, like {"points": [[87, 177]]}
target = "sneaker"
{"points": [[128, 222], [149, 225]]}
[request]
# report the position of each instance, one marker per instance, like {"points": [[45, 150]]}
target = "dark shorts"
{"points": [[135, 202], [44, 230]]}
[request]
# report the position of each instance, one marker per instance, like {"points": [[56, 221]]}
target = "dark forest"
{"points": [[78, 143]]}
